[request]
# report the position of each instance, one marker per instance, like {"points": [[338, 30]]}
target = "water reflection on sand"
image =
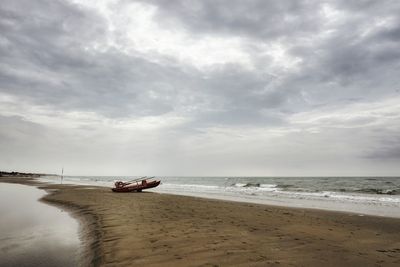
{"points": [[33, 233]]}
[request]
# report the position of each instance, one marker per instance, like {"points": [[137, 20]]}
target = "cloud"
{"points": [[268, 86], [387, 150], [258, 19]]}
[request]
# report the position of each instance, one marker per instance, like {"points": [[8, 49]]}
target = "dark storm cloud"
{"points": [[387, 148], [45, 58], [46, 62], [41, 42], [385, 153], [351, 56], [344, 59], [46, 34], [255, 18]]}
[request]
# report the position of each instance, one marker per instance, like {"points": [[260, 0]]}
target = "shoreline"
{"points": [[239, 200], [156, 229], [34, 233], [89, 229], [385, 205]]}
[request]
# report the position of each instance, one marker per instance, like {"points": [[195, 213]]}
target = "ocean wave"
{"points": [[191, 186], [363, 198], [379, 191], [284, 186], [259, 185], [239, 185], [262, 191]]}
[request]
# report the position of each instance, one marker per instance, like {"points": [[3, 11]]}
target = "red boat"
{"points": [[135, 186]]}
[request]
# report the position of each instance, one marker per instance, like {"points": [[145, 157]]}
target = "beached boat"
{"points": [[136, 185]]}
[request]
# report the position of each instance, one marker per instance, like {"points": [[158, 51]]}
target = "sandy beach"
{"points": [[150, 229]]}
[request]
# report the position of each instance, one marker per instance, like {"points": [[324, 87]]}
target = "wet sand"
{"points": [[150, 229]]}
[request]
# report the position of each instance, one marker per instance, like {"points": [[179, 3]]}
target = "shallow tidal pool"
{"points": [[33, 233]]}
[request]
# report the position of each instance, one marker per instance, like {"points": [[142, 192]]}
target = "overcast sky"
{"points": [[209, 87]]}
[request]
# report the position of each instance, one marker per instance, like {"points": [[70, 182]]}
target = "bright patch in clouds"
{"points": [[133, 29]]}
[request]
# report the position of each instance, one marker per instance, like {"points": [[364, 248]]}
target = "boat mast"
{"points": [[141, 178]]}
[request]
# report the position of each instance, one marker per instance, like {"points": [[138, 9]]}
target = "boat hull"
{"points": [[135, 187]]}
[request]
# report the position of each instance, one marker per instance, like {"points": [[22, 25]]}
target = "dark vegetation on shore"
{"points": [[20, 174]]}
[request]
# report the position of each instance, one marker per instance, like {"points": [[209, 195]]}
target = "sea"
{"points": [[378, 196]]}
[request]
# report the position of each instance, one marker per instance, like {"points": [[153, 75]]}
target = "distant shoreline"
{"points": [[151, 229], [19, 174]]}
